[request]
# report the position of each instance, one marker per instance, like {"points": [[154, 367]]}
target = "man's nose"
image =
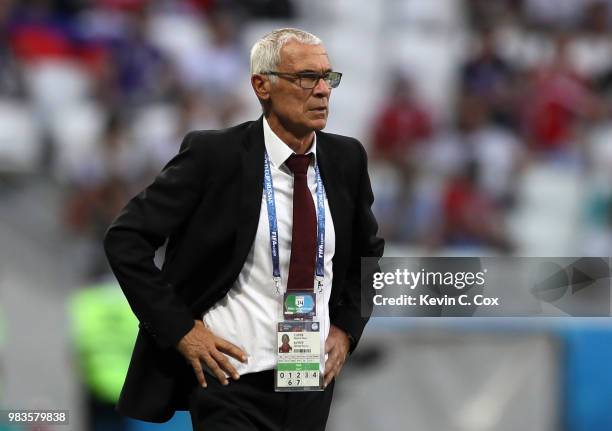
{"points": [[321, 89]]}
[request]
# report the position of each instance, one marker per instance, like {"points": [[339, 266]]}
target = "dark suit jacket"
{"points": [[206, 202]]}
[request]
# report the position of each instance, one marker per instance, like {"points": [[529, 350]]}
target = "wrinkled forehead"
{"points": [[297, 56]]}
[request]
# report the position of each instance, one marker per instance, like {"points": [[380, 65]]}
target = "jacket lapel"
{"points": [[252, 162]]}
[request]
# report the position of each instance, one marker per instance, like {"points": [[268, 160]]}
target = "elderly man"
{"points": [[261, 215]]}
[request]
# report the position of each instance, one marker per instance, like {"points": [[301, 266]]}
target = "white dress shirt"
{"points": [[248, 315]]}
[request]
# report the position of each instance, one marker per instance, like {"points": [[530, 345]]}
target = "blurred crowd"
{"points": [[525, 157], [97, 95]]}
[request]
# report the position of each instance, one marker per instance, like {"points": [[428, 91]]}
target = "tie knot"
{"points": [[298, 163]]}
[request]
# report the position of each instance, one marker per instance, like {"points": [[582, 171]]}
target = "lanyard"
{"points": [[269, 190]]}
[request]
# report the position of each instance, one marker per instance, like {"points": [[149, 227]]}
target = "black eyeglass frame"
{"points": [[328, 77]]}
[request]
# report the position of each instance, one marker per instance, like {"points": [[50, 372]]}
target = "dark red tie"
{"points": [[304, 234]]}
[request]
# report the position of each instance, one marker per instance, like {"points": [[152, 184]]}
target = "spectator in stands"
{"points": [[142, 73], [400, 127], [471, 218], [401, 124], [556, 100], [496, 151], [491, 78]]}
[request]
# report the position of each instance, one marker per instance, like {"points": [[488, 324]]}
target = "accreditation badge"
{"points": [[300, 359], [299, 305]]}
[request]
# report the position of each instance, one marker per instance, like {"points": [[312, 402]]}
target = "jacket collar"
{"points": [[277, 150]]}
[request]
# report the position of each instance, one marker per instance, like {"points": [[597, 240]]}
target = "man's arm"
{"points": [[347, 318], [140, 229], [348, 315], [130, 244]]}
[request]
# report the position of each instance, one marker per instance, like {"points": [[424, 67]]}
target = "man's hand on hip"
{"points": [[337, 347], [201, 345]]}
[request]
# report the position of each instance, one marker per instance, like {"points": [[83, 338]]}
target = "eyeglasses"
{"points": [[309, 80]]}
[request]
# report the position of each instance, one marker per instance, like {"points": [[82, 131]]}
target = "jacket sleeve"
{"points": [[355, 306], [140, 229]]}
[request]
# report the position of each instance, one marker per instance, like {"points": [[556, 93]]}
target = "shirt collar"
{"points": [[277, 150]]}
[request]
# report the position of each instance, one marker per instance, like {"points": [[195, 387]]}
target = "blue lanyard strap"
{"points": [[269, 189], [320, 227], [272, 222]]}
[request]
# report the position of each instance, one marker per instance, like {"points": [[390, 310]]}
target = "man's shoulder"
{"points": [[212, 137], [215, 149], [342, 147]]}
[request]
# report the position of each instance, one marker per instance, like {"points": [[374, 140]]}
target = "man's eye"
{"points": [[309, 75]]}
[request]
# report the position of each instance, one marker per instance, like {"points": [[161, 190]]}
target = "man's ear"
{"points": [[261, 86]]}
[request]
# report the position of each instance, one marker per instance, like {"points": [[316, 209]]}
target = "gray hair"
{"points": [[265, 54]]}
